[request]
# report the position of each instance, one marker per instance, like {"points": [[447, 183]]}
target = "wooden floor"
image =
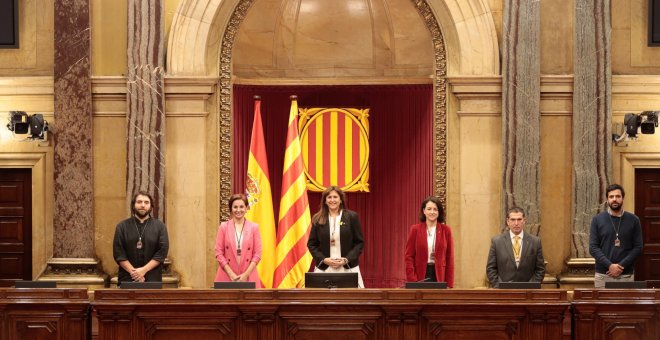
{"points": [[320, 314]]}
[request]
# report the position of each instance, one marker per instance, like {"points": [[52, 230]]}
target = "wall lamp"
{"points": [[644, 122], [34, 125]]}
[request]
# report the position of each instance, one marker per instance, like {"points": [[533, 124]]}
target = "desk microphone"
{"points": [[422, 280]]}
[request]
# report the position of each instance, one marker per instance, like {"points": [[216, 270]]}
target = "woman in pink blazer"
{"points": [[430, 247], [238, 245]]}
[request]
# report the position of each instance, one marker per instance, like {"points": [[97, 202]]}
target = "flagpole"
{"points": [[260, 198]]}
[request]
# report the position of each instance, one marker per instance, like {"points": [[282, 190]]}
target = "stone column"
{"points": [[145, 163], [592, 144], [521, 96], [146, 114], [74, 261]]}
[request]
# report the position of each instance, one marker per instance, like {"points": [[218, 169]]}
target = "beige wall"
{"points": [[474, 136], [109, 34], [630, 53], [34, 57]]}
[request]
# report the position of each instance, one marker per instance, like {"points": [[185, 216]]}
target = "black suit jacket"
{"points": [[350, 237], [501, 265]]}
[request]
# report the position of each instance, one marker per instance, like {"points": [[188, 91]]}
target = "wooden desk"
{"points": [[330, 314], [43, 313], [616, 314]]}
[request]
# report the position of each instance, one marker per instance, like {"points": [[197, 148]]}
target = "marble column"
{"points": [[145, 163], [73, 261], [146, 115], [592, 144], [521, 96]]}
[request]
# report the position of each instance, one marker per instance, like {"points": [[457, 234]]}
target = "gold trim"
{"points": [[440, 101], [440, 107], [224, 104]]}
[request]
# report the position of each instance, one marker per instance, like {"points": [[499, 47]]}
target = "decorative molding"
{"points": [[440, 100], [75, 272], [13, 86], [579, 272], [113, 89], [334, 81], [225, 100], [42, 227], [629, 161]]}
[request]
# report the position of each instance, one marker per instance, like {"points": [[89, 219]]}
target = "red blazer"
{"points": [[417, 254]]}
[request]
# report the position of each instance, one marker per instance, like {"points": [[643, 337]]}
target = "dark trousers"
{"points": [[430, 273]]}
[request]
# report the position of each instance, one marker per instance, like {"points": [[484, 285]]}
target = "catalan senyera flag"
{"points": [[293, 258], [257, 187]]}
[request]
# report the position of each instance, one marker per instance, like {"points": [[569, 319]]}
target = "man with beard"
{"points": [[140, 244], [615, 240]]}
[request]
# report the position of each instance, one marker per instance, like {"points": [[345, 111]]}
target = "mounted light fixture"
{"points": [[21, 123]]}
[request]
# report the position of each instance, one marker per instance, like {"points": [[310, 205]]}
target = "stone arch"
{"points": [[197, 27], [203, 33]]}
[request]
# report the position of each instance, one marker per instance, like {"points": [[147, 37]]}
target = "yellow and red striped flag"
{"points": [[257, 187], [293, 258]]}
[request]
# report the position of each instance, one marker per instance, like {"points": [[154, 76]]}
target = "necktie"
{"points": [[516, 247]]}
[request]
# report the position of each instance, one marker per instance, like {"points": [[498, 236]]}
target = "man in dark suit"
{"points": [[515, 256]]}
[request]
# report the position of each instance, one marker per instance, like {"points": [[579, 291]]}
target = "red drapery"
{"points": [[401, 160]]}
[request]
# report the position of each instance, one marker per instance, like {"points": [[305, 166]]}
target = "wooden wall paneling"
{"points": [[44, 313], [331, 322], [401, 322], [259, 322], [616, 314], [115, 321], [331, 314]]}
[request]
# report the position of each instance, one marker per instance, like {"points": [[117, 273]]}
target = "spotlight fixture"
{"points": [[650, 123], [18, 122], [38, 126], [21, 123], [645, 122]]}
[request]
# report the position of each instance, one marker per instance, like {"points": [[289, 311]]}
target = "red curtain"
{"points": [[401, 160]]}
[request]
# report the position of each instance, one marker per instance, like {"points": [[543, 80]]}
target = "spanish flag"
{"points": [[293, 258], [257, 187]]}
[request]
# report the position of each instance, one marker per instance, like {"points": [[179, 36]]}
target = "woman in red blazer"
{"points": [[238, 245], [432, 234]]}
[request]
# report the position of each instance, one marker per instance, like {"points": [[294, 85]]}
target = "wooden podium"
{"points": [[616, 314], [44, 313], [331, 314]]}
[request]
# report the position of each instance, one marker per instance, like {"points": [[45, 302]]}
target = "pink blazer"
{"points": [[225, 250]]}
